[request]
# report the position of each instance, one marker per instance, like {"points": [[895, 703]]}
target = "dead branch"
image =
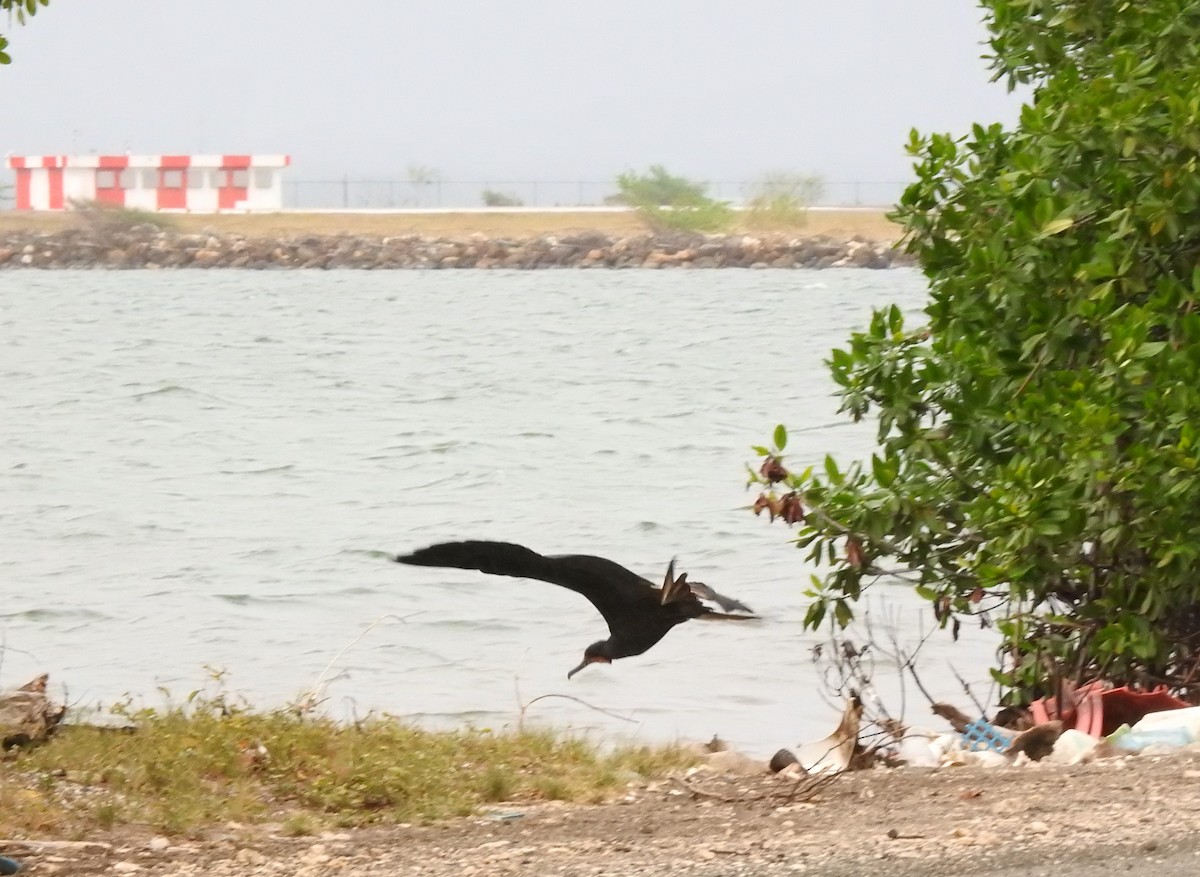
{"points": [[525, 706], [309, 700]]}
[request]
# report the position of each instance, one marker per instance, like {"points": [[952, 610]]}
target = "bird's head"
{"points": [[596, 653]]}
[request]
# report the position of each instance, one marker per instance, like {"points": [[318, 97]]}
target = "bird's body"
{"points": [[638, 613]]}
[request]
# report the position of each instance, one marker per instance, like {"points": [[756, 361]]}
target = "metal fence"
{"points": [[350, 194]]}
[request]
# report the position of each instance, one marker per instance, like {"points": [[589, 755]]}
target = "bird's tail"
{"points": [[728, 616], [728, 604]]}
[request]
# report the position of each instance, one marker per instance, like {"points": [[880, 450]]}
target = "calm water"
{"points": [[198, 469]]}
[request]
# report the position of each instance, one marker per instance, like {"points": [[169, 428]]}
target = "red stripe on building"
{"points": [[23, 177], [55, 179], [229, 194], [171, 192], [175, 161], [235, 161], [108, 186], [117, 161]]}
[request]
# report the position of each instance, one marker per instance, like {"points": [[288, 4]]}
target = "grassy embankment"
{"points": [[185, 769], [869, 224]]}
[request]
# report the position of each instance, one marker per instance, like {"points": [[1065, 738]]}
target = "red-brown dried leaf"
{"points": [[765, 501], [772, 470], [854, 554], [790, 508]]}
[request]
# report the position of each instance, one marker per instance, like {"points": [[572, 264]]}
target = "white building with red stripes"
{"points": [[192, 183]]}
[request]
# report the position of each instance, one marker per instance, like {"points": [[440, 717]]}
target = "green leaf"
{"points": [[1057, 226], [884, 476], [831, 470], [780, 437], [815, 615], [842, 613]]}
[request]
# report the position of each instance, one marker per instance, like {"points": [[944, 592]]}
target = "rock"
{"points": [[206, 258], [316, 855], [866, 257], [729, 761], [146, 245], [1037, 742], [247, 856], [781, 759], [27, 714]]}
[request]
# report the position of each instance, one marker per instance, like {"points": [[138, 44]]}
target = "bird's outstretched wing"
{"points": [[611, 588]]}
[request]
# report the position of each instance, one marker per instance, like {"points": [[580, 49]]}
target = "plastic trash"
{"points": [[9, 866], [981, 734], [833, 753], [916, 750], [946, 745], [1184, 719], [985, 758], [1072, 747], [1131, 740]]}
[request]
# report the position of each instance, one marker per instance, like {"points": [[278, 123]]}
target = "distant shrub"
{"points": [[782, 198], [666, 201], [492, 198], [100, 216]]}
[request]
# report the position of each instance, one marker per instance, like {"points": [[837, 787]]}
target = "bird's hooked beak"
{"points": [[594, 659]]}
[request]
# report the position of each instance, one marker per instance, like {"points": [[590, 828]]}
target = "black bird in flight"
{"points": [[638, 613]]}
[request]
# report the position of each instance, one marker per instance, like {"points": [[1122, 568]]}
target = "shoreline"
{"points": [[147, 246], [527, 240], [1032, 821]]}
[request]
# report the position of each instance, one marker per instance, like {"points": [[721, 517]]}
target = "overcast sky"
{"points": [[504, 89]]}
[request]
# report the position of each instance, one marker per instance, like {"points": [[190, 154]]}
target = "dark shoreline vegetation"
{"points": [[149, 246]]}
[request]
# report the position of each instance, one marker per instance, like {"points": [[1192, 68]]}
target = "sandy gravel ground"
{"points": [[1129, 815], [840, 224]]}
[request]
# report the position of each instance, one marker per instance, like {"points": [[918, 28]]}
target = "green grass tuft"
{"points": [[189, 767]]}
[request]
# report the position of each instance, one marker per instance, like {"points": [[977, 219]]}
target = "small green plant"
{"points": [[102, 218], [107, 813], [666, 201], [300, 825], [498, 783], [493, 198], [780, 199], [422, 178]]}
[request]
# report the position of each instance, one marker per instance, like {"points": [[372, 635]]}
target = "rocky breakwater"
{"points": [[148, 246]]}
